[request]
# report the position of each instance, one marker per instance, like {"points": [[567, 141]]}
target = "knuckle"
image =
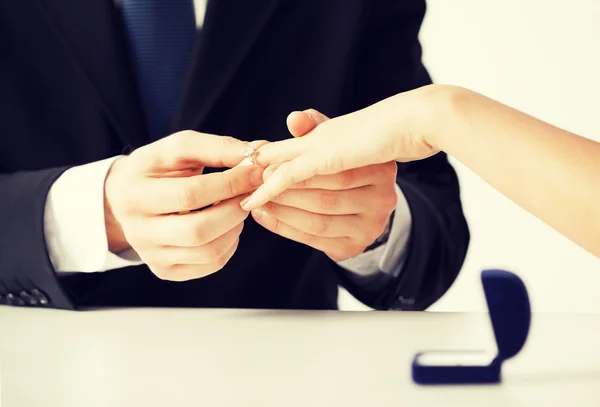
{"points": [[139, 157], [283, 175], [239, 228], [126, 202], [320, 224], [337, 256], [355, 251], [236, 185], [333, 163], [213, 252], [226, 255], [232, 187], [277, 226], [390, 169], [163, 273], [206, 271], [309, 238], [155, 261], [187, 199], [300, 185], [278, 199], [220, 262], [192, 272], [368, 229], [375, 231], [228, 142], [365, 237], [346, 178], [136, 154], [351, 249], [195, 235], [183, 137], [271, 208], [328, 200], [179, 142], [365, 240]]}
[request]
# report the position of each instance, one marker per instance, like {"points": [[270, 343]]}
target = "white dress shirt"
{"points": [[75, 231]]}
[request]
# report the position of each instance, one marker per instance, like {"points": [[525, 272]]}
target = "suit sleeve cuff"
{"points": [[388, 258], [74, 227]]}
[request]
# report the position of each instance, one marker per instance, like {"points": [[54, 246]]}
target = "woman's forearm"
{"points": [[550, 172]]}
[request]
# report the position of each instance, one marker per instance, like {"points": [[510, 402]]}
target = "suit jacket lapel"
{"points": [[230, 29], [93, 33]]}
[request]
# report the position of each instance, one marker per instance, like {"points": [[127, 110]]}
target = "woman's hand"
{"points": [[339, 214], [395, 129]]}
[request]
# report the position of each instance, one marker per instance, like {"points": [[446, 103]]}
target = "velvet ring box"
{"points": [[510, 314]]}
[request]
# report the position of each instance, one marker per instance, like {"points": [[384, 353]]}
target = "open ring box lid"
{"points": [[510, 314]]}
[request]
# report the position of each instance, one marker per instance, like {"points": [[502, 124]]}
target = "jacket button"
{"points": [[40, 297], [29, 300]]}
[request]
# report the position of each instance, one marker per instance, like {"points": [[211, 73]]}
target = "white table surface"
{"points": [[155, 357]]}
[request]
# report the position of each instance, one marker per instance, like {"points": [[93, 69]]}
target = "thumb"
{"points": [[301, 123]]}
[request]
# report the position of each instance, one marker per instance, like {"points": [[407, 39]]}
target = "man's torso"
{"points": [[69, 97]]}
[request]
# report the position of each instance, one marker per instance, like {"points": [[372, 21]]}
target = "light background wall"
{"points": [[542, 57]]}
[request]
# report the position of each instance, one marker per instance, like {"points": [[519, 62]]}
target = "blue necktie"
{"points": [[161, 36]]}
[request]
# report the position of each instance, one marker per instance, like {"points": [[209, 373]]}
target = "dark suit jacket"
{"points": [[68, 97]]}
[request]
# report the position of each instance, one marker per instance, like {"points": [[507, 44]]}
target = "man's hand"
{"points": [[338, 214], [152, 199]]}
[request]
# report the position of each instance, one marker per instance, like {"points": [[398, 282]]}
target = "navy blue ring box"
{"points": [[510, 314]]}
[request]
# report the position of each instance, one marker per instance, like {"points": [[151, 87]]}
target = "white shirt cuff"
{"points": [[389, 257], [74, 226]]}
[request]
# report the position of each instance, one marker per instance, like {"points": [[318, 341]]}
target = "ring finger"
{"points": [[348, 202], [334, 247], [312, 223]]}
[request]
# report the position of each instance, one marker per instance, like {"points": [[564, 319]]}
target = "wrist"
{"points": [[413, 119], [446, 104], [117, 242]]}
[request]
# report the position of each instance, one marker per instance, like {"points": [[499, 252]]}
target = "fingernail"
{"points": [[245, 202], [256, 177]]}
